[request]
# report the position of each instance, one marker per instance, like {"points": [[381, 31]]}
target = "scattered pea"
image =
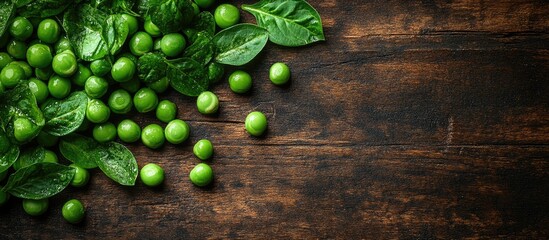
{"points": [[39, 56], [166, 111], [226, 15], [279, 73], [203, 149], [120, 101], [140, 43], [64, 64], [172, 44], [73, 211], [96, 87], [201, 175], [207, 103], [59, 87], [104, 132], [256, 123], [152, 175], [153, 136], [145, 100], [81, 176], [123, 70], [35, 207], [128, 131], [177, 131], [97, 111], [240, 81]]}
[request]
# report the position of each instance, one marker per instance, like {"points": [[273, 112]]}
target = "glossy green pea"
{"points": [[128, 131], [4, 197], [153, 136], [64, 64], [177, 131], [39, 89], [215, 72], [123, 69], [132, 23], [131, 86], [23, 129], [96, 87], [166, 111], [5, 59], [17, 49], [140, 43], [63, 44], [73, 211], [152, 175], [81, 75], [81, 176], [145, 100], [104, 132], [256, 123], [97, 111], [240, 81], [27, 69], [203, 149], [59, 87], [100, 67], [48, 31], [43, 74], [21, 28], [39, 56], [11, 75], [173, 44], [204, 3], [201, 175], [51, 157], [207, 103], [46, 140], [120, 101], [226, 15], [279, 73], [151, 28], [35, 207], [159, 86]]}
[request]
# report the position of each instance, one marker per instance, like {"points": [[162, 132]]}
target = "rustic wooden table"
{"points": [[414, 120]]}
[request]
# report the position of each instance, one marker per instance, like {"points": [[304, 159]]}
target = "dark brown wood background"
{"points": [[414, 120]]}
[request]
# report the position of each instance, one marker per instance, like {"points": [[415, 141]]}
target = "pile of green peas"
{"points": [[38, 52]]}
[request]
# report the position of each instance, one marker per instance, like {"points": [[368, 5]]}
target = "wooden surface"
{"points": [[414, 120]]}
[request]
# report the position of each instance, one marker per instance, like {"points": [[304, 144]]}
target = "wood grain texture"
{"points": [[414, 120]]}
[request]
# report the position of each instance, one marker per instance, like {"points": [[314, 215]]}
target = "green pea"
{"points": [[39, 56], [97, 111], [166, 111], [5, 59], [96, 87], [120, 101], [177, 131], [47, 140], [215, 72], [39, 89], [204, 3], [256, 123], [81, 176], [27, 69], [51, 157], [64, 64], [59, 87], [152, 175], [35, 207], [123, 69], [140, 43], [226, 15], [131, 86], [43, 74], [173, 44], [11, 75], [63, 44], [153, 136], [145, 100], [207, 103], [159, 86], [132, 23], [104, 132], [203, 149], [24, 130], [128, 131], [48, 31], [100, 67], [240, 81], [279, 73], [201, 175], [81, 75], [73, 211], [151, 28], [17, 49], [21, 28]]}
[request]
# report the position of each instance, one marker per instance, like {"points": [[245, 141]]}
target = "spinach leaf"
{"points": [[43, 8], [152, 67], [6, 13], [8, 152], [289, 22], [202, 49], [168, 15], [115, 32], [79, 150], [65, 116], [187, 76], [204, 21], [117, 162], [239, 44], [39, 180], [16, 103], [30, 156]]}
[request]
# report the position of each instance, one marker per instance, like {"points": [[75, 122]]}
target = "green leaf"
{"points": [[152, 67], [6, 13], [204, 21], [289, 22], [16, 103], [239, 44], [118, 163], [30, 156], [170, 16], [187, 76], [202, 49], [40, 180], [66, 115], [80, 150], [8, 152], [43, 8], [115, 32]]}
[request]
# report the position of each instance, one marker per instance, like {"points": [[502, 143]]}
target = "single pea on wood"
{"points": [[256, 123], [201, 175]]}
